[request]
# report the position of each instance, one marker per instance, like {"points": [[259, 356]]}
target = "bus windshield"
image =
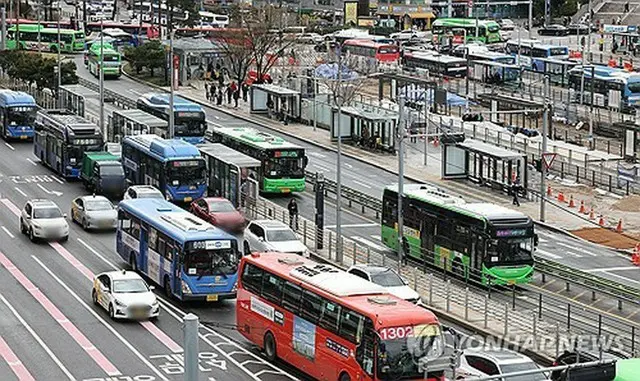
{"points": [[203, 262], [509, 251], [186, 172], [21, 116], [403, 357], [280, 167], [190, 123]]}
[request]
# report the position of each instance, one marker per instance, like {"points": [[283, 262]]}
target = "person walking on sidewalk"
{"points": [[206, 90], [236, 96], [219, 97], [293, 214], [245, 91], [515, 187], [212, 92]]}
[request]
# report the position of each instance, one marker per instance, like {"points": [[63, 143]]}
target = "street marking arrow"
{"points": [[45, 190]]}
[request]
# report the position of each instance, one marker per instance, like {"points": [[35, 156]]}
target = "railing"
{"points": [[351, 195]]}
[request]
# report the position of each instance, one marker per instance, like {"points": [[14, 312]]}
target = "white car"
{"points": [[94, 212], [42, 219], [407, 35], [387, 278], [142, 191], [125, 295], [484, 362], [310, 38], [507, 24], [271, 235]]}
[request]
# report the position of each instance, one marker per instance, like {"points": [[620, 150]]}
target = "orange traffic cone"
{"points": [[635, 257], [572, 203], [592, 214], [601, 221], [549, 190], [582, 210], [619, 226], [561, 197]]}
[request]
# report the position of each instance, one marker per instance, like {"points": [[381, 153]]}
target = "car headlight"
{"points": [[155, 304], [235, 287], [119, 303], [185, 288]]}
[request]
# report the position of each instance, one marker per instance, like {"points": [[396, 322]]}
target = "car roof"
{"points": [[121, 275], [498, 355], [42, 203], [271, 224], [145, 188], [215, 199], [94, 198]]}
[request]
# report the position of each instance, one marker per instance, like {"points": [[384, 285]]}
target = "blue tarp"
{"points": [[330, 71]]}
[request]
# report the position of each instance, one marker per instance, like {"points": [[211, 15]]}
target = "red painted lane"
{"points": [[71, 329], [14, 362], [72, 260]]}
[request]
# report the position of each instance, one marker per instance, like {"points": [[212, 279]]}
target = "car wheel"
{"points": [[94, 297], [32, 237], [133, 263], [64, 239], [247, 250], [112, 313], [344, 377], [270, 347], [85, 225], [23, 229]]}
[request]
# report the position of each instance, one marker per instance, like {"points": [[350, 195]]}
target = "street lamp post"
{"points": [[401, 132], [172, 82], [59, 60], [102, 124], [543, 166], [339, 102]]}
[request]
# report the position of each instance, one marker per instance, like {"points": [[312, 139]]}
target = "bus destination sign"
{"points": [[211, 245], [511, 233], [186, 163], [285, 153]]}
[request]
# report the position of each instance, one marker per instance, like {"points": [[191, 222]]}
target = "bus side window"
{"points": [[272, 288], [252, 278], [291, 298], [311, 307], [365, 351], [351, 326]]}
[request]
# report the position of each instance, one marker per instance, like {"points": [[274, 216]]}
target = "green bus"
{"points": [[627, 370], [282, 163], [110, 60], [488, 30], [37, 37], [480, 241]]}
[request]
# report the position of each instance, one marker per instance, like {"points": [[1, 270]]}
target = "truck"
{"points": [[102, 173]]}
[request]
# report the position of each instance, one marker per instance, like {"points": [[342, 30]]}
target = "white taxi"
{"points": [[125, 295]]}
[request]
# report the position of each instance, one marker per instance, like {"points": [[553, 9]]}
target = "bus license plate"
{"points": [[212, 298], [24, 137], [511, 282], [286, 190], [188, 199]]}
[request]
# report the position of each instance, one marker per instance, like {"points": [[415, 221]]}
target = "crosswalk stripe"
{"points": [[548, 254]]}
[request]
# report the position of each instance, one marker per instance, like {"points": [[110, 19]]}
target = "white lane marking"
{"points": [[604, 269], [58, 180], [377, 237], [8, 232], [362, 184], [573, 254], [542, 240], [32, 162], [101, 320], [38, 339], [20, 191], [574, 247], [372, 245], [316, 154], [9, 145], [45, 190], [214, 123], [134, 92], [217, 117], [367, 225], [321, 167], [623, 277], [348, 165], [548, 254]]}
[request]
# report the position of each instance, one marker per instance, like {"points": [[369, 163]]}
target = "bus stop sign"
{"points": [[548, 158]]}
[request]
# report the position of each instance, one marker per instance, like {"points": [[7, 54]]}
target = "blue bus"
{"points": [[17, 114], [189, 118], [190, 258], [171, 165], [487, 55], [61, 139], [612, 87], [531, 51]]}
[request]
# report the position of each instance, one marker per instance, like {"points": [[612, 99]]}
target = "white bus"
{"points": [[213, 20]]}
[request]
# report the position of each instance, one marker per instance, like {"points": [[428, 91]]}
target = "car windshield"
{"points": [[281, 235], [186, 172], [221, 207], [509, 251], [387, 278], [96, 205], [128, 286], [21, 116], [211, 262], [47, 213], [282, 167], [405, 357], [112, 170], [512, 368]]}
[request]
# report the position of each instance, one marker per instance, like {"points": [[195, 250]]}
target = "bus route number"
{"points": [[393, 333]]}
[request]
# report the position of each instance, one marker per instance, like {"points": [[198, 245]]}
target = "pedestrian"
{"points": [[245, 91], [270, 106], [212, 92], [582, 41], [515, 187], [236, 96], [601, 43], [229, 94], [293, 214], [614, 47], [206, 90], [284, 113], [626, 7], [220, 96], [405, 250]]}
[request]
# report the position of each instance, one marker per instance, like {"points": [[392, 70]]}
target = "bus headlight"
{"points": [[185, 288]]}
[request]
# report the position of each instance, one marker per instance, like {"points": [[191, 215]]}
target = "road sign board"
{"points": [[547, 158]]}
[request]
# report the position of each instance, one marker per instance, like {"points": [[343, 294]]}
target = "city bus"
{"points": [[529, 53], [61, 139], [383, 53], [495, 73], [488, 55], [189, 118], [144, 30], [435, 63], [460, 237], [557, 70], [64, 24], [333, 325], [17, 114], [171, 165], [192, 259], [208, 19], [612, 87], [109, 57], [488, 30], [37, 37], [282, 163], [134, 122]]}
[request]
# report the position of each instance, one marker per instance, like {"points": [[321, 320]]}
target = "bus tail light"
{"points": [[185, 288]]}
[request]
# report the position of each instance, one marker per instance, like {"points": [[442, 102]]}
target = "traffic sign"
{"points": [[547, 158]]}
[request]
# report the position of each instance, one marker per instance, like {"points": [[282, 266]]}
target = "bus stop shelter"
{"points": [[530, 115], [282, 98], [194, 55], [484, 163], [368, 126], [84, 102], [134, 122]]}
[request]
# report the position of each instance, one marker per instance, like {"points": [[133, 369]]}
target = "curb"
{"points": [[349, 155]]}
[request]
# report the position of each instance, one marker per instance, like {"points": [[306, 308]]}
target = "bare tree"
{"points": [[354, 73]]}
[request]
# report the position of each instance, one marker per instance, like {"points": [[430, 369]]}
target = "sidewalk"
{"points": [[611, 206]]}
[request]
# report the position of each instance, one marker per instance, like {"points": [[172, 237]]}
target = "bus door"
{"points": [[233, 191], [144, 252], [478, 251], [426, 236]]}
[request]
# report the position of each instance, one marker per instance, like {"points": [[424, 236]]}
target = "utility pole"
{"points": [[39, 38], [102, 124], [59, 61], [401, 134], [543, 166], [530, 18], [339, 101], [427, 105], [591, 145], [171, 81], [3, 43]]}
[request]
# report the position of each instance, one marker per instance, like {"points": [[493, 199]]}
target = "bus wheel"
{"points": [[270, 347], [344, 377]]}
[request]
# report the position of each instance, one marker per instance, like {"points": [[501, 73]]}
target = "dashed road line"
{"points": [[10, 146], [32, 162], [548, 254], [8, 232], [21, 192]]}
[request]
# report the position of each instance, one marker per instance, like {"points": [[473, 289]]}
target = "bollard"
{"points": [[486, 310], [415, 279], [448, 289], [534, 330], [304, 232], [593, 296], [466, 304], [430, 289], [191, 350], [355, 251], [506, 319], [513, 297], [557, 340], [539, 306], [568, 286], [330, 244], [568, 316], [619, 305]]}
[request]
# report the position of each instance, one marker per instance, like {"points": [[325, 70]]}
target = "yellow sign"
{"points": [[365, 22], [351, 12], [212, 298]]}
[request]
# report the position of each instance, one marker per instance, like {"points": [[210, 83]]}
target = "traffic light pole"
{"points": [[543, 166]]}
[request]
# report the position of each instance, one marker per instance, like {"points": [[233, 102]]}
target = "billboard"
{"points": [[351, 12]]}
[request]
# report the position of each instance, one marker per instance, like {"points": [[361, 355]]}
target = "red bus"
{"points": [[333, 325], [148, 30], [386, 53]]}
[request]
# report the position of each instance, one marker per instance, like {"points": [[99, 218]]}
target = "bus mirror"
{"points": [[306, 161], [536, 240]]}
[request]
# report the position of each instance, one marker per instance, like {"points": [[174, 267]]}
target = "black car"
{"points": [[581, 29], [553, 30], [322, 47], [575, 356]]}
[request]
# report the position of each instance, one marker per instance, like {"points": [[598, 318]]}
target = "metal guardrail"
{"points": [[350, 194]]}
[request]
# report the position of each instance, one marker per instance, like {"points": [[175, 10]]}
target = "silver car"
{"points": [[94, 212], [42, 219]]}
